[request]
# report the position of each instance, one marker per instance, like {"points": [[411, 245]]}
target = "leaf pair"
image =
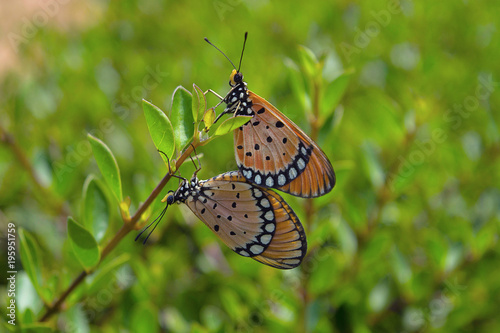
{"points": [[189, 110], [307, 76]]}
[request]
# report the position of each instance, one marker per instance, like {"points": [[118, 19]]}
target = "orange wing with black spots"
{"points": [[251, 220], [271, 151]]}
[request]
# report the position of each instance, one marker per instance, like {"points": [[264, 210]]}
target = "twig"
{"points": [[9, 140], [309, 204], [124, 230]]}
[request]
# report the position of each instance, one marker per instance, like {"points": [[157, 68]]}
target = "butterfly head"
{"points": [[235, 78], [170, 198]]}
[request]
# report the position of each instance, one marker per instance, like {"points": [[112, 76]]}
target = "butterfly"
{"points": [[271, 151], [253, 221]]}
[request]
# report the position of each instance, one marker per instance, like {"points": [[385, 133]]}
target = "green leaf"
{"points": [[231, 124], [325, 270], [37, 328], [212, 317], [347, 239], [108, 166], [144, 318], [297, 83], [333, 93], [401, 267], [453, 258], [174, 321], [379, 296], [197, 328], [484, 239], [182, 117], [199, 104], [96, 209], [106, 272], [84, 245], [372, 165], [30, 259], [29, 317], [27, 296], [77, 318], [231, 303], [308, 61], [160, 129], [209, 118]]}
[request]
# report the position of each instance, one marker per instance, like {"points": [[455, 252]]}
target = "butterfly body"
{"points": [[253, 221], [271, 151]]}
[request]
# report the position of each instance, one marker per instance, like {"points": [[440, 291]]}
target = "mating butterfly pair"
{"points": [[271, 152]]}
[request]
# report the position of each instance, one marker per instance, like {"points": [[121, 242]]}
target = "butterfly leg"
{"points": [[198, 168], [216, 94], [168, 162], [169, 169], [222, 99], [227, 111]]}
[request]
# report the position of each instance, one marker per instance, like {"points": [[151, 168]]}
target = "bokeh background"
{"points": [[408, 239]]}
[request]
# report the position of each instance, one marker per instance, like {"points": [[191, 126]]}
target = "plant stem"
{"points": [[309, 204], [124, 230], [48, 197]]}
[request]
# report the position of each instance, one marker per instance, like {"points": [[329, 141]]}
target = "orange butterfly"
{"points": [[253, 221], [270, 150]]}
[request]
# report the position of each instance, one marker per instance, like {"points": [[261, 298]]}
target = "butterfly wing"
{"points": [[253, 221], [271, 151]]}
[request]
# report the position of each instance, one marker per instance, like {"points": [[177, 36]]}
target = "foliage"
{"points": [[400, 96]]}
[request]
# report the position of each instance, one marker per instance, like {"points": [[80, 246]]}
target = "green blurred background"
{"points": [[408, 239]]}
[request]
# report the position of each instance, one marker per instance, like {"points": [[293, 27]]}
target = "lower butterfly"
{"points": [[253, 221]]}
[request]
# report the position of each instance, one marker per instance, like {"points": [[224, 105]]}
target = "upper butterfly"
{"points": [[270, 150]]}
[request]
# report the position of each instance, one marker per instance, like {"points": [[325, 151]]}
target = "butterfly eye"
{"points": [[170, 198], [238, 77], [235, 78]]}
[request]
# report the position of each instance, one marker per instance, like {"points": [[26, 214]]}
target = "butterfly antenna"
{"points": [[206, 40], [157, 220], [241, 57]]}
